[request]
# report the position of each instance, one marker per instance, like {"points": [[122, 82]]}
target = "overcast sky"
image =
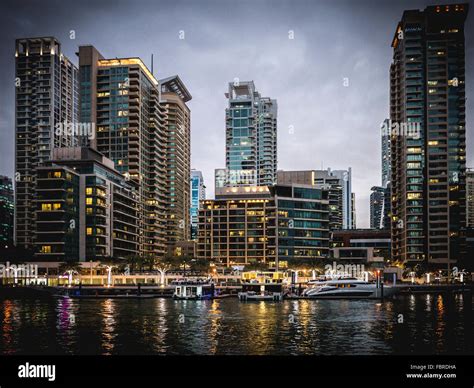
{"points": [[334, 125]]}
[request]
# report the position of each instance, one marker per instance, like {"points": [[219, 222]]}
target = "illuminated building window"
{"points": [[46, 249]]}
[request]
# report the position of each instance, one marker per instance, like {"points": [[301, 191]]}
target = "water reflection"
{"points": [[108, 310], [430, 324]]}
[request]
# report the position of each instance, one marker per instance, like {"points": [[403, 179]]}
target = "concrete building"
{"points": [[386, 160], [198, 194], [174, 97], [262, 224], [370, 246], [7, 211], [377, 207], [143, 127], [251, 136], [428, 136], [46, 107], [86, 210], [338, 183], [470, 198]]}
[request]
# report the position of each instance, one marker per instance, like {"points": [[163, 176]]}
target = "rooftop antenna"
{"points": [[152, 65]]}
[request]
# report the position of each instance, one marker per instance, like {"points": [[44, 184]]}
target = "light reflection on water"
{"points": [[431, 324]]}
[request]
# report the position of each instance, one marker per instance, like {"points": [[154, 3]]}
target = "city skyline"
{"points": [[338, 100]]}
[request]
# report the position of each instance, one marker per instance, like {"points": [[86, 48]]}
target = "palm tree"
{"points": [[70, 268], [149, 261], [200, 265], [163, 265], [256, 266], [134, 262]]}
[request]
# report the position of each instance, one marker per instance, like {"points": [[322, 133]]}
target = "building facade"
{"points": [[386, 161], [260, 224], [369, 246], [428, 135], [198, 194], [86, 210], [7, 211], [46, 107], [251, 136], [132, 131], [174, 97], [470, 198], [338, 184], [377, 203]]}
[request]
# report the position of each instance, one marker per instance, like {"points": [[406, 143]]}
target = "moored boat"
{"points": [[262, 286], [346, 288], [193, 289]]}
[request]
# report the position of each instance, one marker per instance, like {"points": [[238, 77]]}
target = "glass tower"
{"points": [[251, 137], [428, 135]]}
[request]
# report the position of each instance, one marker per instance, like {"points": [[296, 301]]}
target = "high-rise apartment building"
{"points": [[386, 164], [86, 210], [470, 198], [174, 97], [132, 131], [428, 135], [198, 194], [339, 184], [251, 137], [7, 211], [377, 207], [46, 107]]}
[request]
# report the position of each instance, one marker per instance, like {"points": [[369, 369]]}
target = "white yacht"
{"points": [[346, 288]]}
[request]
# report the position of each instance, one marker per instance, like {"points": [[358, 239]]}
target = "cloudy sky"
{"points": [[333, 125]]}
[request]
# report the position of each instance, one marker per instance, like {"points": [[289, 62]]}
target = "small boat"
{"points": [[346, 288], [193, 289], [261, 286]]}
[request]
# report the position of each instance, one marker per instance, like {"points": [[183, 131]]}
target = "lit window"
{"points": [[46, 207], [89, 201], [88, 231], [413, 195], [88, 190], [46, 249]]}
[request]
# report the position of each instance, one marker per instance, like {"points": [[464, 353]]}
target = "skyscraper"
{"points": [[470, 198], [174, 97], [386, 164], [198, 193], [132, 132], [339, 180], [428, 135], [251, 136], [377, 207], [46, 107], [6, 211]]}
